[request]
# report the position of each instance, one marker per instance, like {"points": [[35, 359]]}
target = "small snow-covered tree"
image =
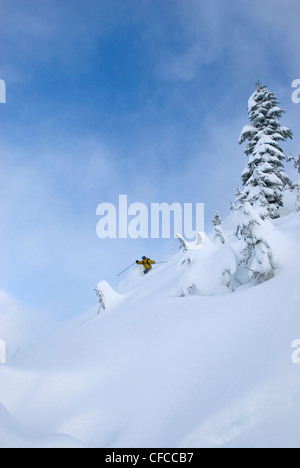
{"points": [[219, 235], [232, 207], [101, 300], [239, 200], [199, 240], [107, 297], [264, 177], [297, 186], [297, 163], [183, 242], [185, 245], [298, 198], [217, 219], [256, 255], [240, 197]]}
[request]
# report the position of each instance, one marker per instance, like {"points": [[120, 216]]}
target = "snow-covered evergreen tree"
{"points": [[232, 207], [264, 177], [297, 186], [227, 279], [240, 197], [199, 240], [217, 219], [256, 254], [185, 245], [297, 163], [298, 198], [239, 201], [219, 235], [183, 242], [107, 297], [101, 301]]}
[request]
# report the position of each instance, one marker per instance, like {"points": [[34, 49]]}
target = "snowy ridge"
{"points": [[155, 369]]}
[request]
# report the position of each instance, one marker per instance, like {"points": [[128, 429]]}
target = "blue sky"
{"points": [[139, 97]]}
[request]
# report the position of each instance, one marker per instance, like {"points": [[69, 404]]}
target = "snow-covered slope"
{"points": [[13, 435], [175, 360]]}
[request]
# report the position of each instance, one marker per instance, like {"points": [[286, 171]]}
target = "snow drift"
{"points": [[178, 358]]}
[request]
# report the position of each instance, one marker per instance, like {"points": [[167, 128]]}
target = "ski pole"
{"points": [[157, 263], [126, 269]]}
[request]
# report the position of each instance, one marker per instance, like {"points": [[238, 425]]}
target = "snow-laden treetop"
{"points": [[264, 177]]}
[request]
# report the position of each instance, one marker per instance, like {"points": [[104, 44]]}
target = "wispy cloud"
{"points": [[243, 34]]}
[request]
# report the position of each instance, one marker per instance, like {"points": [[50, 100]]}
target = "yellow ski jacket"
{"points": [[147, 263]]}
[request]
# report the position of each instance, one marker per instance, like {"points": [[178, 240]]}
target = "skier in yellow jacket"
{"points": [[147, 262]]}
